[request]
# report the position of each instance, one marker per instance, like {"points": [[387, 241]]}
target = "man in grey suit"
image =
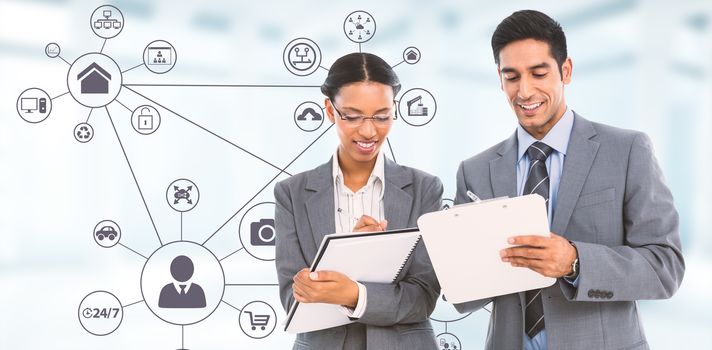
{"points": [[614, 226]]}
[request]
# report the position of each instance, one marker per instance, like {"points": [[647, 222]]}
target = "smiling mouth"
{"points": [[366, 146], [530, 108]]}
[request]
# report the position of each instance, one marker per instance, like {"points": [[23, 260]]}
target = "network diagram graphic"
{"points": [[183, 282]]}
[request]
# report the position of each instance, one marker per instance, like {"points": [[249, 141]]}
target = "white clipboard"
{"points": [[464, 244]]}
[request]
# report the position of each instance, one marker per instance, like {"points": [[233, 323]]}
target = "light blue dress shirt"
{"points": [[558, 139]]}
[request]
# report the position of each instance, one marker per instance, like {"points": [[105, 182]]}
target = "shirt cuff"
{"points": [[360, 308], [575, 282]]}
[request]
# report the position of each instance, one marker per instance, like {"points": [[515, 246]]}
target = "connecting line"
{"points": [[251, 284], [181, 226], [359, 47], [397, 64], [65, 61], [134, 67], [228, 304], [208, 131], [182, 337], [125, 306], [324, 68], [391, 148], [58, 96], [227, 85], [89, 116], [143, 256], [133, 175], [445, 327], [268, 183], [102, 46], [127, 108], [229, 255]]}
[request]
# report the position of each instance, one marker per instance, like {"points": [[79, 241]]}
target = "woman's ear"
{"points": [[329, 110]]}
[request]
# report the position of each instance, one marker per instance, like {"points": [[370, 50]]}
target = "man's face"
{"points": [[530, 77]]}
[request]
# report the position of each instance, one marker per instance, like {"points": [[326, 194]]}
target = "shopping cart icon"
{"points": [[258, 320]]}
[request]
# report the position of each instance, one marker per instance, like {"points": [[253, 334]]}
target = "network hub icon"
{"points": [[183, 282]]}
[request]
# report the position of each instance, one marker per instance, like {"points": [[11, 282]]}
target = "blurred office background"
{"points": [[640, 64]]}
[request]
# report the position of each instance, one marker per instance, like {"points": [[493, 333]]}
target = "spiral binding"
{"points": [[400, 269]]}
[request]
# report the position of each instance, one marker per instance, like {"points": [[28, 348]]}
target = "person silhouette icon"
{"points": [[182, 294]]}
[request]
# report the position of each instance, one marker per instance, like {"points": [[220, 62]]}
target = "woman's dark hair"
{"points": [[359, 67], [530, 24]]}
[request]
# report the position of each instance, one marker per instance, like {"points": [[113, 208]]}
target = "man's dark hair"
{"points": [[530, 24], [357, 67]]}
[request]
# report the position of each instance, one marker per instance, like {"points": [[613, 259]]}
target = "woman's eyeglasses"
{"points": [[355, 120]]}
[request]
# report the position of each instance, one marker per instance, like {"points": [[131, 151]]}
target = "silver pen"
{"points": [[473, 197]]}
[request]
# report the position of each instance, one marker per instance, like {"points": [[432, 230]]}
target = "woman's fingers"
{"points": [[369, 224]]}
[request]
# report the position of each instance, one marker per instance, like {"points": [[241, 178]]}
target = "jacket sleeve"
{"points": [[650, 264], [289, 258], [413, 298]]}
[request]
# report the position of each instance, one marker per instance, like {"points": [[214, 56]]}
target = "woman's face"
{"points": [[361, 142]]}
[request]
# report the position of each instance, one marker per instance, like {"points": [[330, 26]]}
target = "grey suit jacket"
{"points": [[614, 205], [396, 315]]}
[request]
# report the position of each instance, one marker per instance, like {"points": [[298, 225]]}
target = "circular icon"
{"points": [[182, 195], [182, 283], [447, 204], [83, 132], [359, 26], [302, 56], [107, 233], [309, 116], [52, 50], [417, 107], [448, 341], [411, 55], [159, 56], [445, 312], [256, 231], [94, 80], [107, 21], [100, 313], [145, 119], [34, 105], [258, 319]]}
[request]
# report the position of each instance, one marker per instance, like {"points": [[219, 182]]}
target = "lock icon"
{"points": [[145, 119]]}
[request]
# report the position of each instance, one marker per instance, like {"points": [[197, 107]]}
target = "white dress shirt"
{"points": [[558, 139], [349, 206]]}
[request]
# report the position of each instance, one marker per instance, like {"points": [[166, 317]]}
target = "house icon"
{"points": [[94, 80], [411, 55]]}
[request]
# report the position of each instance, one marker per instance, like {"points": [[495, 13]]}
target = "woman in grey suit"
{"points": [[358, 189]]}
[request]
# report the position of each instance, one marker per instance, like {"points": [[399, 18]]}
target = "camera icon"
{"points": [[262, 232]]}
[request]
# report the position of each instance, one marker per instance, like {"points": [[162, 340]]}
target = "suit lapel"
{"points": [[397, 201], [577, 165], [503, 171], [320, 206]]}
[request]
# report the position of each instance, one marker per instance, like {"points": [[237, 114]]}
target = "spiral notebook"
{"points": [[376, 257]]}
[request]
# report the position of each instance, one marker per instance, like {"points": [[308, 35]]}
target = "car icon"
{"points": [[106, 232]]}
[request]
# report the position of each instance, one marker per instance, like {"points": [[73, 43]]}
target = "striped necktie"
{"points": [[537, 182]]}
